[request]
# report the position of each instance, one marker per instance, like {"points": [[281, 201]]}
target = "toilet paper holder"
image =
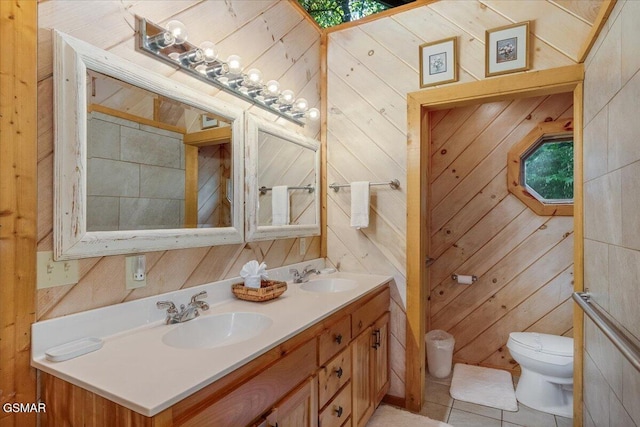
{"points": [[455, 277]]}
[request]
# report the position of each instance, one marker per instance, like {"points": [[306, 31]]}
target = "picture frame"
{"points": [[507, 49], [439, 62]]}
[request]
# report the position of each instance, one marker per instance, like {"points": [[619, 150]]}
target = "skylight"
{"points": [[328, 13]]}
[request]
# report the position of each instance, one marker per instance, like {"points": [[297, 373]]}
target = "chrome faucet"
{"points": [[304, 276], [186, 313]]}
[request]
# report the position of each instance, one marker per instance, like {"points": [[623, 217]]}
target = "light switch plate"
{"points": [[56, 273], [129, 270]]}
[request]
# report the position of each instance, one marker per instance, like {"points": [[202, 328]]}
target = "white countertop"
{"points": [[137, 370]]}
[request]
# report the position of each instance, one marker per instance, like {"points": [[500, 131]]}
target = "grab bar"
{"points": [[617, 337]]}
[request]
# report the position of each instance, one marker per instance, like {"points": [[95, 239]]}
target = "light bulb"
{"points": [[313, 114], [254, 77], [272, 88], [234, 64], [209, 51], [178, 30], [301, 104], [161, 41], [287, 96]]}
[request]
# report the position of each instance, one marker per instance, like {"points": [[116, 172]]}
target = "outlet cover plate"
{"points": [[129, 268]]}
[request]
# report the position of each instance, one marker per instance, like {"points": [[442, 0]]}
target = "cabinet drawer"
{"points": [[333, 375], [334, 339], [338, 410], [369, 312]]}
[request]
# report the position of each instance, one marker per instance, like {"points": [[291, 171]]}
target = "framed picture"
{"points": [[438, 62], [208, 122], [507, 49]]}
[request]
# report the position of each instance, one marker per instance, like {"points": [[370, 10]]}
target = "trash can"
{"points": [[439, 352]]}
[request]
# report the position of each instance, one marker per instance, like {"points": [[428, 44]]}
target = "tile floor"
{"points": [[439, 405]]}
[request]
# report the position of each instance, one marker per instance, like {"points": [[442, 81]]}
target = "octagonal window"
{"points": [[540, 168], [547, 171]]}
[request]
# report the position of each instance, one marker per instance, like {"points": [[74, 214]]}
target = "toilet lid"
{"points": [[544, 343]]}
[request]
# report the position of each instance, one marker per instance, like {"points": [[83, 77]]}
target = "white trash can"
{"points": [[439, 352]]}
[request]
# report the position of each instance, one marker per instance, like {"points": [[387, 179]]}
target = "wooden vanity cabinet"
{"points": [[370, 357], [333, 374], [298, 409]]}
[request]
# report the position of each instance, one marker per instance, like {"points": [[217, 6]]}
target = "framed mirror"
{"points": [[142, 163], [283, 182]]}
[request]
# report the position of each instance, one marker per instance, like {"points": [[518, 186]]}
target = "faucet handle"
{"points": [[197, 296], [170, 306]]}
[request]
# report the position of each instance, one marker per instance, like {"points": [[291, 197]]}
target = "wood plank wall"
{"points": [[523, 261], [268, 34], [371, 68], [18, 115]]}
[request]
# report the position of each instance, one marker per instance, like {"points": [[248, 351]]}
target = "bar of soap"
{"points": [[73, 349]]}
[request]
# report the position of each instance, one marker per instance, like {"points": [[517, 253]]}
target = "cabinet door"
{"points": [[298, 409], [381, 358], [361, 368]]}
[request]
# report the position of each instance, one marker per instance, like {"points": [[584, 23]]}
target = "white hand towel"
{"points": [[280, 205], [360, 204]]}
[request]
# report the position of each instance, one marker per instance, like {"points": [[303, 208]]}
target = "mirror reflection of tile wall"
{"points": [[135, 175]]}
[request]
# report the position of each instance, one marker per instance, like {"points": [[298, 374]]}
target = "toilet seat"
{"points": [[544, 343]]}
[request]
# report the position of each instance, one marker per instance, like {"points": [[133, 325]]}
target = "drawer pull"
{"points": [[339, 338], [339, 411], [339, 372], [360, 324]]}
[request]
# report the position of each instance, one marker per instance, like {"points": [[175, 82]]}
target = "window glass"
{"points": [[548, 170], [328, 13]]}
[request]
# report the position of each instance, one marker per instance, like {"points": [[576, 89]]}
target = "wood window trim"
{"points": [[514, 168]]}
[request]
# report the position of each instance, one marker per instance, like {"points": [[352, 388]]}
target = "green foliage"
{"points": [[328, 13], [549, 170]]}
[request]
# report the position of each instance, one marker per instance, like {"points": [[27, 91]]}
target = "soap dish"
{"points": [[73, 349], [268, 290]]}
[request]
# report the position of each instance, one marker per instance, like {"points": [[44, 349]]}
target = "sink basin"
{"points": [[217, 330], [329, 285]]}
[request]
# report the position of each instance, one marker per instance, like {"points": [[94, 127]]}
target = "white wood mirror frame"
{"points": [[72, 58], [254, 231]]}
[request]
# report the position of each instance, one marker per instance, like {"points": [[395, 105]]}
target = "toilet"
{"points": [[546, 383]]}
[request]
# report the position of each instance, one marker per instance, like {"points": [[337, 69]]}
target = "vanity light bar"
{"points": [[169, 45]]}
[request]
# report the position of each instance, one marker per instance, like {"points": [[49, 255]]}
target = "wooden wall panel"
{"points": [[268, 34], [371, 68], [524, 262], [18, 231]]}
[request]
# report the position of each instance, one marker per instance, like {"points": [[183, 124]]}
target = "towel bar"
{"points": [[395, 184], [615, 335], [309, 188]]}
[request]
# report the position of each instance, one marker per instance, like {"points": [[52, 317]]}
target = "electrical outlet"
{"points": [[303, 245], [135, 272], [56, 273]]}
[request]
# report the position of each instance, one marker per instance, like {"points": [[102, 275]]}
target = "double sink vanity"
{"points": [[318, 353]]}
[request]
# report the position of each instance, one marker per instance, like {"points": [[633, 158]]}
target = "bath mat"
{"points": [[386, 416], [484, 386]]}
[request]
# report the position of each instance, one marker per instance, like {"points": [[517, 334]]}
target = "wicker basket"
{"points": [[269, 289]]}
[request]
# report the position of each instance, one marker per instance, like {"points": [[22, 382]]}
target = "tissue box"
{"points": [[268, 290]]}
